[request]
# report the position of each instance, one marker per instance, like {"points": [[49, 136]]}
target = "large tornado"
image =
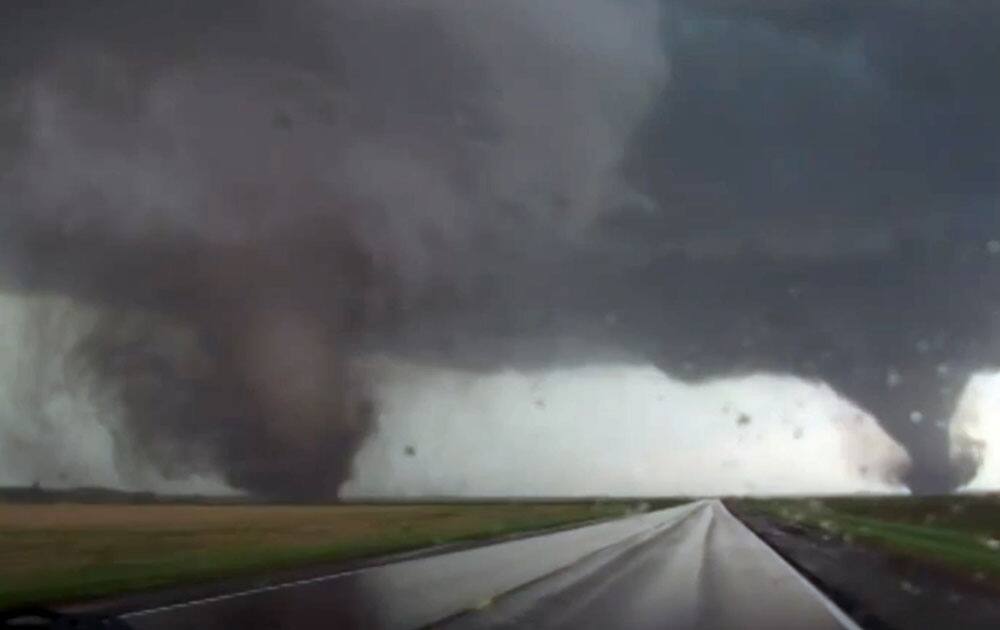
{"points": [[209, 210]]}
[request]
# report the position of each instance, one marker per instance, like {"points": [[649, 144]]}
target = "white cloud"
{"points": [[975, 429], [614, 429]]}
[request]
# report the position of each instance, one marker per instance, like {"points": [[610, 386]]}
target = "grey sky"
{"points": [[717, 187]]}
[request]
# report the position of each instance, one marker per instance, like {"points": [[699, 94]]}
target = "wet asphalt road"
{"points": [[693, 566]]}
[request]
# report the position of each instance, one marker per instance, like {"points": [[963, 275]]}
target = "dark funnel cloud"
{"points": [[252, 195], [827, 174], [239, 199]]}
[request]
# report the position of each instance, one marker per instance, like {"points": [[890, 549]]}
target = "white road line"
{"points": [[253, 591], [417, 554]]}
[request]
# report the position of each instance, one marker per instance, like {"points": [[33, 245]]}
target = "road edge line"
{"points": [[842, 617]]}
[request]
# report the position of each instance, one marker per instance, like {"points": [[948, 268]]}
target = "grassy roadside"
{"points": [[61, 552], [956, 533]]}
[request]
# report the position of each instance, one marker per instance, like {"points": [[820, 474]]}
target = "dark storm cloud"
{"points": [[843, 158], [806, 187], [821, 190], [812, 109], [291, 185]]}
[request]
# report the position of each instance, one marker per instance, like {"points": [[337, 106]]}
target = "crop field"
{"points": [[960, 533], [53, 553]]}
